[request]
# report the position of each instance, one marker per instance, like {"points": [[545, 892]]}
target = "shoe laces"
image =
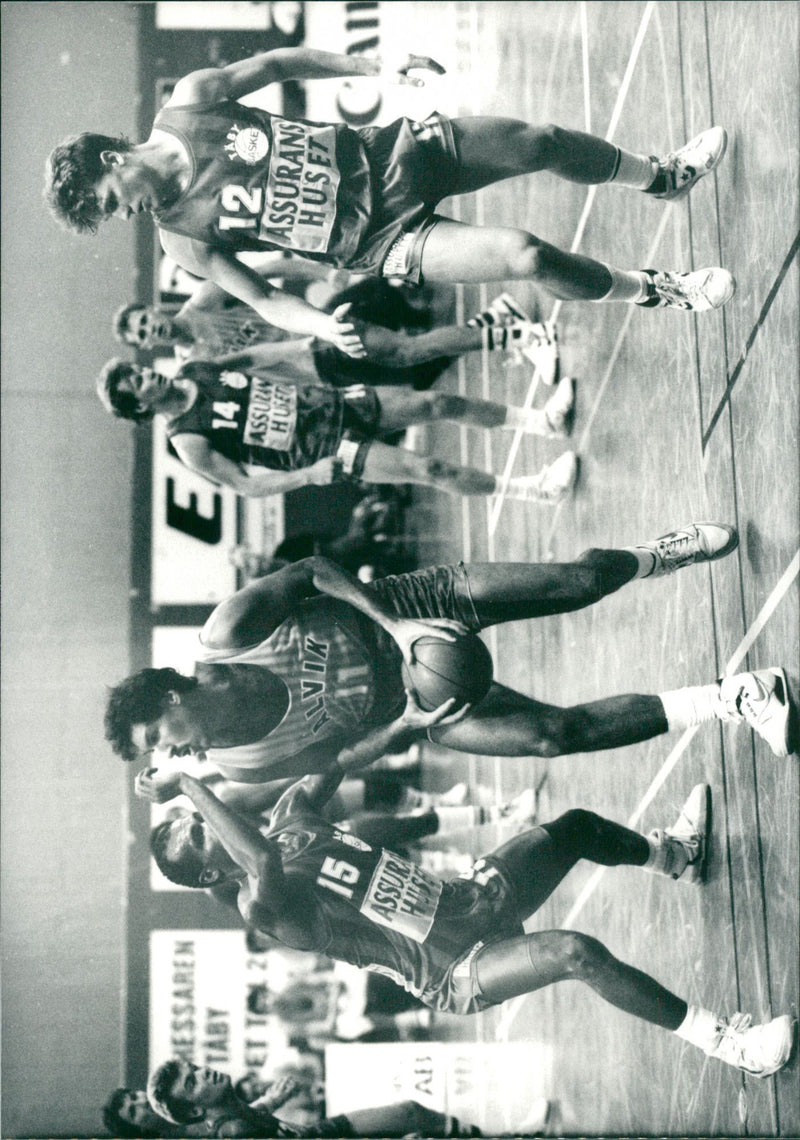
{"points": [[731, 1038], [677, 546], [678, 288]]}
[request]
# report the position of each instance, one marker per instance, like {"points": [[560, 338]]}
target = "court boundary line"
{"points": [[760, 320], [779, 591], [583, 440], [616, 114]]}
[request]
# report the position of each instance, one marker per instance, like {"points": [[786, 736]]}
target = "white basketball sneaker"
{"points": [[550, 485], [697, 292], [520, 812], [759, 1050], [762, 700], [682, 849], [683, 168], [697, 542], [501, 311], [560, 409]]}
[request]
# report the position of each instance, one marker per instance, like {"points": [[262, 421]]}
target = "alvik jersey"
{"points": [[228, 330], [251, 419], [341, 674], [382, 912], [261, 181]]}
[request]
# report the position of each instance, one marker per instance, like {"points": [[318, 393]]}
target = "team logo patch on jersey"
{"points": [[351, 840], [249, 144], [233, 379], [292, 843], [402, 897]]}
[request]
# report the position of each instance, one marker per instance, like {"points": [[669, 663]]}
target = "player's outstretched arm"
{"points": [[273, 305], [244, 843], [278, 66], [198, 455]]}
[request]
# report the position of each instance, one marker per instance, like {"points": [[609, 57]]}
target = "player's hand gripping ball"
{"points": [[444, 669]]}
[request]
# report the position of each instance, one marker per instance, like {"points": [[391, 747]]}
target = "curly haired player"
{"points": [[219, 177]]}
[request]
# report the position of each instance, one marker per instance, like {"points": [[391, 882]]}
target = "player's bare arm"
{"points": [[198, 455], [283, 64], [159, 786], [262, 359], [332, 579], [315, 758], [400, 734], [256, 611], [273, 305], [258, 857]]}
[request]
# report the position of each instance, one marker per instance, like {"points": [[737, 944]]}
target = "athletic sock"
{"points": [[700, 1027], [452, 819], [630, 285], [645, 558], [533, 421], [685, 708], [667, 856], [636, 171], [411, 799]]}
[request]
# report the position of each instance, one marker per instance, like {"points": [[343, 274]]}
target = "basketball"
{"points": [[444, 669]]}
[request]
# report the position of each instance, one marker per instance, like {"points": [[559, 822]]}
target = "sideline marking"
{"points": [[512, 1008], [622, 95], [587, 98], [762, 316], [582, 443]]}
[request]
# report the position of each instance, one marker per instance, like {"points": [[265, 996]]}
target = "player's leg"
{"points": [[528, 962], [454, 251], [507, 723], [402, 349], [537, 860], [512, 591], [386, 464], [491, 149], [461, 253], [401, 407]]}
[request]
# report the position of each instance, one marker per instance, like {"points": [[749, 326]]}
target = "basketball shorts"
{"points": [[328, 420], [414, 165], [439, 591], [495, 915], [361, 413]]}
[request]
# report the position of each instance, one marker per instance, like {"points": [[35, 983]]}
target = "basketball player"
{"points": [[260, 436], [127, 1112], [329, 651], [186, 1093], [458, 946], [220, 177], [399, 347]]}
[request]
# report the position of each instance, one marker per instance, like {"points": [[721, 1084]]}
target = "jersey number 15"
{"points": [[335, 874]]}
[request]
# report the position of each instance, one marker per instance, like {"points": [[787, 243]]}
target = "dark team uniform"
{"points": [[321, 190], [380, 912], [251, 419], [262, 1125]]}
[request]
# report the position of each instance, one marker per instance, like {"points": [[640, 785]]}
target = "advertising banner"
{"points": [[193, 531], [491, 1085], [200, 982]]}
